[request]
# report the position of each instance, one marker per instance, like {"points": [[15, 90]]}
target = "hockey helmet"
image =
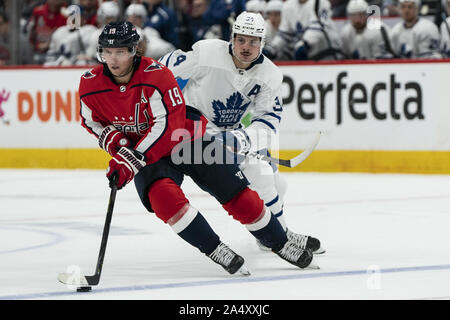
{"points": [[119, 35], [274, 6], [108, 9], [255, 6], [418, 3], [136, 9], [357, 6], [250, 24]]}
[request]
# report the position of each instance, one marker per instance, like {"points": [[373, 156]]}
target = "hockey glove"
{"points": [[111, 140], [236, 141], [125, 164]]}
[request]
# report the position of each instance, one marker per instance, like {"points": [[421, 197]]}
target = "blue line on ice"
{"points": [[225, 282]]}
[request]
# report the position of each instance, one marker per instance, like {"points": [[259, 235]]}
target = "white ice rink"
{"points": [[387, 237]]}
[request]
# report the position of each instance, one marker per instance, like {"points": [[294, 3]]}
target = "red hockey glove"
{"points": [[111, 140], [125, 164]]}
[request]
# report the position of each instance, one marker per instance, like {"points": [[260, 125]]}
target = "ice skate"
{"points": [[305, 242], [293, 254], [228, 259]]}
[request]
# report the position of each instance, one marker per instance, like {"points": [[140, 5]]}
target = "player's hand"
{"points": [[111, 140], [236, 141], [125, 164]]}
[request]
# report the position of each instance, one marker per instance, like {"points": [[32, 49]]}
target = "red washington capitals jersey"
{"points": [[147, 109]]}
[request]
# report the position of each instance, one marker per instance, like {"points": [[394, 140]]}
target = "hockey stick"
{"points": [[325, 33], [80, 280], [291, 163]]}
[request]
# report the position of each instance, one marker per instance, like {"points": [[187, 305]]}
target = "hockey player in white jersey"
{"points": [[306, 32], [415, 37], [69, 43], [445, 32], [363, 41], [225, 80]]}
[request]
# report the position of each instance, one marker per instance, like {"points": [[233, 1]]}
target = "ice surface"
{"points": [[387, 237]]}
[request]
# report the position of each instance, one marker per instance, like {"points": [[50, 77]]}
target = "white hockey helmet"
{"points": [[418, 3], [357, 6], [108, 9], [255, 6], [136, 9], [274, 6], [249, 24]]}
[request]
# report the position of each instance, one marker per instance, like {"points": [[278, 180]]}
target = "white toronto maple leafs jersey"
{"points": [[67, 44], [420, 41], [445, 41], [368, 44], [223, 93]]}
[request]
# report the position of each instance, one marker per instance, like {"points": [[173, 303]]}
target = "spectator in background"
{"points": [[44, 20], [89, 8], [108, 12], [415, 37], [196, 25], [5, 54], [338, 8], [445, 31], [273, 18], [151, 43], [163, 19], [360, 41], [256, 6], [390, 8], [221, 14], [69, 43], [183, 9]]}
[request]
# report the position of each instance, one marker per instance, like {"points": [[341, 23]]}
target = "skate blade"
{"points": [[244, 271], [312, 266], [320, 251]]}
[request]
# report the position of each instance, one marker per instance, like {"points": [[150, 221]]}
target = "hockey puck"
{"points": [[84, 289]]}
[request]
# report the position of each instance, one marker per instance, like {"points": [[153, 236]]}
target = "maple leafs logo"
{"points": [[230, 113]]}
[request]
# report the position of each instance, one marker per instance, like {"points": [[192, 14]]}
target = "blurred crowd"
{"points": [[65, 32]]}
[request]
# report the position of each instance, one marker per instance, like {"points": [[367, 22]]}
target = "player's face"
{"points": [[274, 18], [119, 60], [246, 48], [358, 20], [408, 11]]}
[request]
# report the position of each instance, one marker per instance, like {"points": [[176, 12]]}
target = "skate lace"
{"points": [[300, 239], [291, 252], [222, 255]]}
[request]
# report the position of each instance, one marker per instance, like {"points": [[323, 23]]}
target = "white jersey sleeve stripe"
{"points": [[93, 126], [159, 112]]}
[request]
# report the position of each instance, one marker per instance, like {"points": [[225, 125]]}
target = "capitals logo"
{"points": [[230, 113]]}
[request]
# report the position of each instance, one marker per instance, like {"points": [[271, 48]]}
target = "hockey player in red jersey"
{"points": [[133, 105]]}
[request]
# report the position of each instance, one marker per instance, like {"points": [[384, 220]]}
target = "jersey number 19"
{"points": [[175, 96]]}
